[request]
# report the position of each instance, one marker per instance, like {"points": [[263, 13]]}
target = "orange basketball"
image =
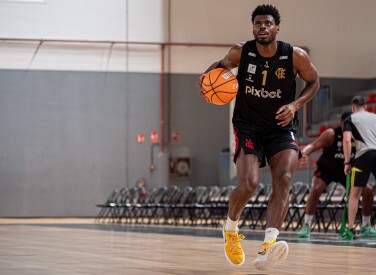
{"points": [[220, 86]]}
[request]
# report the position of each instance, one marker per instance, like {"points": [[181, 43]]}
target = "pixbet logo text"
{"points": [[263, 93]]}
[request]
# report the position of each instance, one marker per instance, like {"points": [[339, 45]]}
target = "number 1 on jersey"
{"points": [[265, 73]]}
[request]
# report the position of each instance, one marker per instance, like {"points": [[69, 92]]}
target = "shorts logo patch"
{"points": [[249, 144], [294, 143]]}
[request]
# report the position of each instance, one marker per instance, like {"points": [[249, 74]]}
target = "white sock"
{"points": [[366, 220], [271, 233], [231, 226], [308, 219]]}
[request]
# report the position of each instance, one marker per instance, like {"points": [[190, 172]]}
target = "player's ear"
{"points": [[278, 28]]}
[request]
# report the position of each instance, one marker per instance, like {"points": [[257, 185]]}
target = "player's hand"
{"points": [[303, 161], [347, 169], [199, 86], [286, 113]]}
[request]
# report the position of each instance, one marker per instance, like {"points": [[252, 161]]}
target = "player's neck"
{"points": [[359, 109], [267, 50]]}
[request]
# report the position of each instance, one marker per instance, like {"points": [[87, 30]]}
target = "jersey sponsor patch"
{"points": [[263, 93], [251, 69], [249, 78], [252, 54], [283, 57]]}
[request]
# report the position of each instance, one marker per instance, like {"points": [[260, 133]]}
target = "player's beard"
{"points": [[267, 41]]}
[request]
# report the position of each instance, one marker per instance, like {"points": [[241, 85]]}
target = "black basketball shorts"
{"points": [[362, 168], [328, 175], [264, 146]]}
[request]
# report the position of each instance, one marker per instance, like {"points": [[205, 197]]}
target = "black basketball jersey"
{"points": [[265, 84], [332, 157]]}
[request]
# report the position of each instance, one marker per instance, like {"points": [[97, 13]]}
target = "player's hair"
{"points": [[267, 9], [345, 115], [359, 101]]}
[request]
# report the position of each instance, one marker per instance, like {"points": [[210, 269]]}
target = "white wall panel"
{"points": [[339, 33], [192, 60], [144, 58], [16, 55], [83, 20], [71, 56], [147, 20]]}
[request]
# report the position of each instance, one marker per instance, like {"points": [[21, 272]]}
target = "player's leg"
{"points": [[282, 165], [367, 205], [367, 229], [353, 205], [247, 165], [359, 178], [317, 188]]}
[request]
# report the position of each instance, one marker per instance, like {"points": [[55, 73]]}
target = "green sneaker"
{"points": [[348, 234], [367, 231], [304, 232]]}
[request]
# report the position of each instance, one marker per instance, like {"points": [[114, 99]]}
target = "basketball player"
{"points": [[264, 126], [361, 125], [329, 168]]}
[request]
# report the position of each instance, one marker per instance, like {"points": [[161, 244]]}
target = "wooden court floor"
{"points": [[29, 247]]}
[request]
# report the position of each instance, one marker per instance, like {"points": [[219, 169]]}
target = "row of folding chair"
{"points": [[166, 205], [254, 214], [209, 205], [111, 209]]}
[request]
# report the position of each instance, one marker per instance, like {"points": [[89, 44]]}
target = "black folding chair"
{"points": [[164, 207], [248, 213], [328, 210], [181, 212], [197, 207], [153, 204], [143, 206], [295, 213], [105, 207], [259, 208]]}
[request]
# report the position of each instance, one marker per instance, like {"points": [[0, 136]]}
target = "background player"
{"points": [[329, 169], [361, 125]]}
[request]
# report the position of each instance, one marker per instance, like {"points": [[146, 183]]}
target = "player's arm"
{"points": [[230, 61], [305, 69], [346, 143], [323, 141]]}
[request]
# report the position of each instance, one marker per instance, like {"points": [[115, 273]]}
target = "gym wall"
{"points": [[70, 112]]}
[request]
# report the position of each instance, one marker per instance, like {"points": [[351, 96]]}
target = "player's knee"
{"points": [[248, 185], [317, 188], [285, 179]]}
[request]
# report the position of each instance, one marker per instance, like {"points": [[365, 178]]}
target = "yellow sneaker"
{"points": [[270, 254], [233, 249]]}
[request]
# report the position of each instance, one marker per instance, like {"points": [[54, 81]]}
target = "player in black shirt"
{"points": [[263, 121], [330, 168]]}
